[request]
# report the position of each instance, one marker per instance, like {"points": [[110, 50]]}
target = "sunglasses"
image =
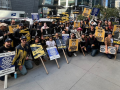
{"points": [[24, 40]]}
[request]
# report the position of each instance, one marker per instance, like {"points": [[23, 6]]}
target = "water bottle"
{"points": [[15, 75]]}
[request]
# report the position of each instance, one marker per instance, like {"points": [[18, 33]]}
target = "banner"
{"points": [[116, 28], [6, 66], [26, 33], [76, 24], [111, 49], [60, 44], [86, 12], [13, 28], [53, 53], [37, 50], [35, 16], [100, 34], [73, 45], [65, 37], [95, 11]]}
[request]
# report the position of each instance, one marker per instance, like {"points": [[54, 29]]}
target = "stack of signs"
{"points": [[53, 53], [26, 33], [95, 11], [111, 49], [76, 24], [6, 66], [73, 45], [116, 34], [65, 37], [37, 50], [86, 12], [35, 16], [60, 44], [100, 34], [13, 28]]}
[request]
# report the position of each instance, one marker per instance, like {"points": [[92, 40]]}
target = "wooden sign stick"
{"points": [[57, 63], [65, 56], [116, 53], [5, 82], [44, 65]]}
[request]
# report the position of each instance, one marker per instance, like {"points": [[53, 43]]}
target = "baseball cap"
{"points": [[8, 39], [23, 37]]}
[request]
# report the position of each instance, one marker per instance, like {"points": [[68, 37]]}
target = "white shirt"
{"points": [[50, 43], [111, 41]]}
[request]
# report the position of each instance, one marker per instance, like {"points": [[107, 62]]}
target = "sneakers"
{"points": [[75, 54]]}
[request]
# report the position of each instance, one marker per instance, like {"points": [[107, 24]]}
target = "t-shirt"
{"points": [[50, 43], [3, 49]]}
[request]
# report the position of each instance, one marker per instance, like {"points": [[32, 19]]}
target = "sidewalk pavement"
{"points": [[82, 73]]}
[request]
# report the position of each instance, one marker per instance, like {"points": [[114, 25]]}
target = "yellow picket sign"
{"points": [[100, 34], [13, 28], [77, 24], [73, 45], [37, 50], [86, 12], [116, 28], [27, 34]]}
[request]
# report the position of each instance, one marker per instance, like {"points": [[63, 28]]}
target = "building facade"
{"points": [[117, 3], [111, 3], [5, 4]]}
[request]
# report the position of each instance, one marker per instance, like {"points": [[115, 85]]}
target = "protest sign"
{"points": [[86, 12], [100, 34], [116, 28], [76, 24], [73, 45], [116, 37], [53, 53], [65, 37], [60, 44], [95, 11], [13, 28], [37, 50], [35, 16]]}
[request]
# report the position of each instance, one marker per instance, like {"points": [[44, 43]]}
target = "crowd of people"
{"points": [[18, 42]]}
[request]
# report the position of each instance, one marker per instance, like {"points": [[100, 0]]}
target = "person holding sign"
{"points": [[109, 42], [21, 59], [67, 46], [92, 44], [51, 42], [6, 48]]}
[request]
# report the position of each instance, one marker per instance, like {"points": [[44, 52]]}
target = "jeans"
{"points": [[94, 51], [27, 65], [69, 53], [110, 56]]}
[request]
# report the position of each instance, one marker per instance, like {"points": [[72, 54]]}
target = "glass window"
{"points": [[63, 2], [71, 2]]}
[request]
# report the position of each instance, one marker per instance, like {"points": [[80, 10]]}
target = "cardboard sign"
{"points": [[60, 44], [76, 24], [100, 34], [116, 28], [6, 66], [46, 32], [26, 33], [116, 37], [86, 12], [13, 28], [73, 45], [35, 16], [65, 37], [53, 53], [37, 50], [95, 11], [111, 49]]}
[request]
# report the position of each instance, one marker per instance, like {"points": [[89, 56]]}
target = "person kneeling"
{"points": [[21, 59], [92, 44]]}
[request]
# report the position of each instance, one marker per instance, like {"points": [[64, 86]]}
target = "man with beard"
{"points": [[6, 48]]}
